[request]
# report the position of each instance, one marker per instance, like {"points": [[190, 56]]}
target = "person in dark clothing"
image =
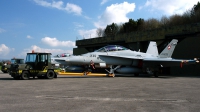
{"points": [[92, 66]]}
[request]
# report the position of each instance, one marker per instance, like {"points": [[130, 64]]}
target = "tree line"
{"points": [[190, 16]]}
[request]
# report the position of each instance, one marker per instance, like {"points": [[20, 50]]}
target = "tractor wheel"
{"points": [[25, 75], [56, 75], [50, 74]]}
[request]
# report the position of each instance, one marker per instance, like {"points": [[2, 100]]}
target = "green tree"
{"points": [[99, 32], [140, 24], [195, 9], [164, 21], [175, 20], [130, 26], [152, 24], [195, 13], [111, 30]]}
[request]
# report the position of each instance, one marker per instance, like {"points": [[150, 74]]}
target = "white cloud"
{"points": [[29, 37], [2, 30], [103, 2], [71, 8], [88, 33], [56, 43], [4, 50], [58, 5], [169, 7], [39, 49], [116, 13]]}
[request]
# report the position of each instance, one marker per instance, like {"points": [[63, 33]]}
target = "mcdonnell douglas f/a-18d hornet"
{"points": [[124, 60]]}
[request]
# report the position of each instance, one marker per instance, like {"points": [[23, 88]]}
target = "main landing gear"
{"points": [[154, 73], [111, 72]]}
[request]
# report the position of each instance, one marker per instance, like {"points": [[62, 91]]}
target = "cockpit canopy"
{"points": [[111, 48]]}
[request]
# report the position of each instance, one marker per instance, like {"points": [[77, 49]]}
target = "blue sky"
{"points": [[54, 25]]}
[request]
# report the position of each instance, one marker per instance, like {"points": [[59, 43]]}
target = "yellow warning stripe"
{"points": [[36, 71]]}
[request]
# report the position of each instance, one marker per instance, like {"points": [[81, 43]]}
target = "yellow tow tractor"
{"points": [[36, 65]]}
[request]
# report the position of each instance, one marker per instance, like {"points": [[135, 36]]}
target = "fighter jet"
{"points": [[124, 60]]}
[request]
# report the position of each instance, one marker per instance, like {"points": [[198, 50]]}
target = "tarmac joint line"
{"points": [[110, 99]]}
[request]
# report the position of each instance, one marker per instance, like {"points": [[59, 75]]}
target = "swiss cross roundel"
{"points": [[169, 47]]}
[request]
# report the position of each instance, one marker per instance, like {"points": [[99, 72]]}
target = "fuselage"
{"points": [[105, 57]]}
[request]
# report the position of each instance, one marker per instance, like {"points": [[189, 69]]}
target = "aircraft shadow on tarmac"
{"points": [[21, 79], [117, 76], [6, 79]]}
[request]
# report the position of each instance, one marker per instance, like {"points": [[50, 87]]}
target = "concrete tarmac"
{"points": [[100, 94]]}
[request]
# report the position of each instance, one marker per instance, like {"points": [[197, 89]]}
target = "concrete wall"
{"points": [[189, 48], [78, 51]]}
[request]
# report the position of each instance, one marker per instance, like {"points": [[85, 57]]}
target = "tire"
{"points": [[56, 75], [155, 74], [25, 75], [136, 74], [50, 74]]}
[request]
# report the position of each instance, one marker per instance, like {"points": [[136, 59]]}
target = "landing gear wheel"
{"points": [[50, 74], [155, 73], [25, 75], [136, 74], [84, 73], [111, 75]]}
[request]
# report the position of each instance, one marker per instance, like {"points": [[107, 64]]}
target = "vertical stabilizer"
{"points": [[152, 49], [169, 49]]}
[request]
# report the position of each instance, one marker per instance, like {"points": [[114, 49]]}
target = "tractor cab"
{"points": [[38, 61], [17, 61], [6, 68], [36, 65]]}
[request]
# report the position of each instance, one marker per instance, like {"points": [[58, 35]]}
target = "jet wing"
{"points": [[167, 62]]}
